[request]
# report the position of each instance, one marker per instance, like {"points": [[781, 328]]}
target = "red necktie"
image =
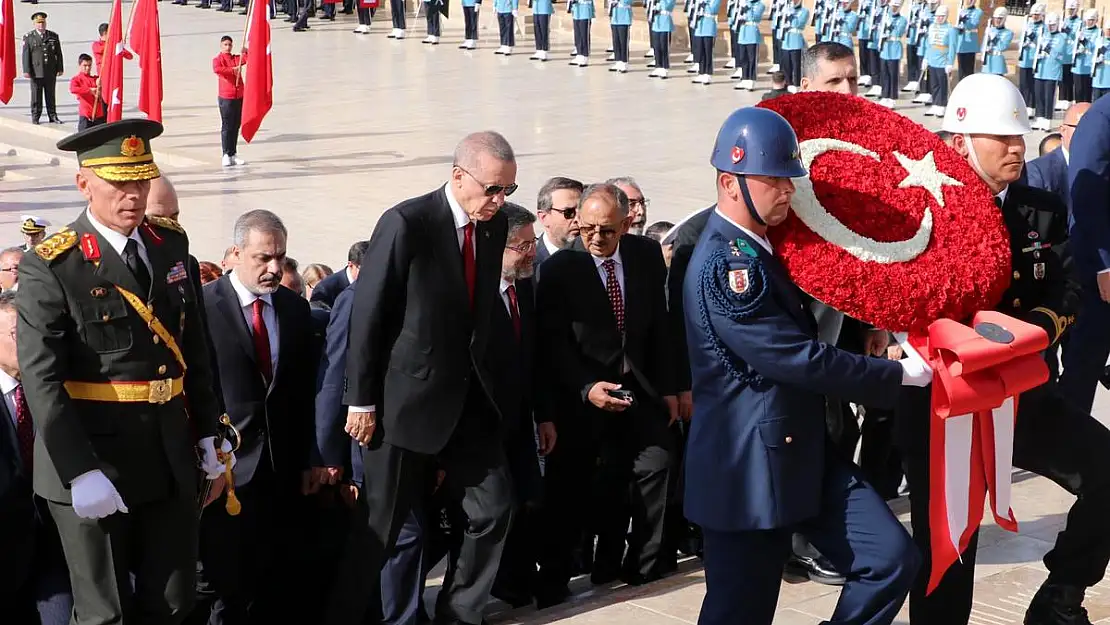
{"points": [[261, 342], [514, 310], [469, 267], [616, 300], [24, 428]]}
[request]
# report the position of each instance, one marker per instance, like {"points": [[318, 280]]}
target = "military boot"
{"points": [[1057, 604]]}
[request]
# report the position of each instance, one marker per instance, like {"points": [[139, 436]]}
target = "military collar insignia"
{"points": [[154, 236], [738, 246], [163, 222], [90, 247]]}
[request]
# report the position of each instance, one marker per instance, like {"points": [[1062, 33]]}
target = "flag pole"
{"points": [[243, 41], [100, 70]]}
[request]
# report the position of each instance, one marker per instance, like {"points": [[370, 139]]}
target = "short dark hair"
{"points": [[103, 28], [225, 38], [778, 77], [824, 51], [658, 230], [517, 216], [81, 58], [1055, 136], [356, 252], [558, 183], [611, 191]]}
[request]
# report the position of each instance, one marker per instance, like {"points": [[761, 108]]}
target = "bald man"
{"points": [[1050, 172], [162, 201]]}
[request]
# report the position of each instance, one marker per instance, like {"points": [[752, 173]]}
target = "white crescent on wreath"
{"points": [[919, 173]]}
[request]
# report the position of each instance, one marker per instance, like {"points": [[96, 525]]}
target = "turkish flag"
{"points": [[146, 40], [7, 50], [258, 91], [111, 68]]}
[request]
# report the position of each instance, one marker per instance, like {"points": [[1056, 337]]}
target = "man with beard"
{"points": [[637, 203], [557, 206]]}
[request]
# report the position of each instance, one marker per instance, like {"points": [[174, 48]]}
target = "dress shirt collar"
{"points": [[350, 278], [764, 243], [616, 257], [116, 240], [505, 284], [1067, 157], [457, 212], [246, 298], [551, 247], [7, 383], [1002, 195]]}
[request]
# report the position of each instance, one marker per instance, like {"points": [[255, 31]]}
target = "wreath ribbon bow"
{"points": [[979, 373]]}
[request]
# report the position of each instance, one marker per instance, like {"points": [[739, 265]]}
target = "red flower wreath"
{"points": [[909, 232]]}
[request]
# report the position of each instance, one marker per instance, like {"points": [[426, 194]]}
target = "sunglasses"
{"points": [[492, 189], [567, 213]]}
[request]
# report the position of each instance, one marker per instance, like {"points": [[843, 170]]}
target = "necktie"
{"points": [[136, 265], [998, 201], [616, 300], [469, 267], [261, 342], [24, 428], [514, 310]]}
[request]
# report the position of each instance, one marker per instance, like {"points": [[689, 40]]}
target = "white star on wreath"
{"points": [[924, 173]]}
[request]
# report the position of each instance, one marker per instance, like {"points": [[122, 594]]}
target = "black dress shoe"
{"points": [[514, 597], [300, 29], [547, 597], [35, 122], [55, 120], [638, 579], [1057, 604], [820, 570]]}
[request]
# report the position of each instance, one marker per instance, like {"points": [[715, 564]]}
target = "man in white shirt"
{"points": [[557, 205]]}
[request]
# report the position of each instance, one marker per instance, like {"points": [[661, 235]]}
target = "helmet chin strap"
{"points": [[974, 158], [748, 199]]}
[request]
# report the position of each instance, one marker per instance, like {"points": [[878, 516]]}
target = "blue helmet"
{"points": [[757, 142]]}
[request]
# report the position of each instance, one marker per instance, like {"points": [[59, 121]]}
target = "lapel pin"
{"points": [[99, 292]]}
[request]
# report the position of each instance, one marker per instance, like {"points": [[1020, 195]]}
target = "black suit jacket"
{"points": [[578, 330], [276, 423], [330, 287], [682, 242], [415, 343]]}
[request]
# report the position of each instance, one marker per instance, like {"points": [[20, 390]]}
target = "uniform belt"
{"points": [[153, 392]]}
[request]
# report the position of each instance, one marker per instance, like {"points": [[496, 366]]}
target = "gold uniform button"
{"points": [[1017, 302], [1017, 275], [789, 439], [158, 340], [162, 370], [106, 318]]}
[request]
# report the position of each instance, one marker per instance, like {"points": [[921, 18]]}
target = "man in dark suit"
{"points": [[556, 205], [418, 389], [609, 385], [34, 580], [330, 287], [1050, 172], [263, 351]]}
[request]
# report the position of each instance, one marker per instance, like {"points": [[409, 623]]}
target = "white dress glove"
{"points": [[94, 496], [209, 463]]}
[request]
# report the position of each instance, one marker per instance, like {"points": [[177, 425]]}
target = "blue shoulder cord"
{"points": [[711, 286]]}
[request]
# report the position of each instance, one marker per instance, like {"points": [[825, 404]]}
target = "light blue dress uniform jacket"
{"points": [[941, 44], [1085, 51], [664, 22], [542, 7], [892, 45], [920, 35], [749, 31], [707, 25], [582, 10], [622, 14], [999, 40], [1027, 54], [505, 6], [969, 35], [1070, 26], [864, 31], [876, 23], [848, 21], [795, 35], [470, 3], [1051, 67], [1100, 77]]}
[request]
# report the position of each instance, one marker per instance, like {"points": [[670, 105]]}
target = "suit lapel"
{"points": [[488, 274], [228, 304], [595, 284], [447, 247], [285, 335], [633, 289]]}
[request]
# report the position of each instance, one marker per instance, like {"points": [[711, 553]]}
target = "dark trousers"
{"points": [[477, 476], [231, 115], [676, 529], [43, 88], [661, 44], [135, 567], [704, 54], [505, 26], [965, 64], [225, 6], [1027, 86], [888, 78], [792, 67], [1098, 93], [328, 10], [34, 581], [582, 37], [693, 44], [1045, 97], [854, 529], [1066, 91], [913, 64], [748, 60], [541, 24], [734, 45], [1090, 347], [470, 23], [431, 15], [301, 10], [1082, 85], [938, 86], [776, 50], [865, 68], [397, 12], [365, 16], [403, 574], [84, 122], [1052, 439], [874, 62], [620, 43]]}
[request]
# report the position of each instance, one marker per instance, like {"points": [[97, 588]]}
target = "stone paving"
{"points": [[361, 122]]}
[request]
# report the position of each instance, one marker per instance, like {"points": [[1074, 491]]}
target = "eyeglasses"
{"points": [[492, 189], [523, 248], [12, 269], [567, 213], [604, 232], [641, 202], [1070, 125]]}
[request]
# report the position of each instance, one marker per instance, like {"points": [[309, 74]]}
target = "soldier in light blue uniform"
{"points": [[620, 21], [705, 33], [913, 26], [432, 10], [662, 25], [996, 41], [736, 14], [1070, 25], [863, 36], [1027, 55], [1084, 56], [967, 27], [920, 79], [1100, 79], [818, 17], [793, 44], [842, 26], [777, 30], [506, 24], [890, 55], [759, 464], [871, 50], [582, 13], [1048, 70], [470, 24], [940, 58], [541, 26], [749, 39]]}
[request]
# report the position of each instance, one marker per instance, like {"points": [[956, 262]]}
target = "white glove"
{"points": [[915, 371], [94, 496], [209, 463]]}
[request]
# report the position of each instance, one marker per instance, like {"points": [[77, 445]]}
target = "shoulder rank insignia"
{"points": [[56, 244], [168, 224], [739, 246]]}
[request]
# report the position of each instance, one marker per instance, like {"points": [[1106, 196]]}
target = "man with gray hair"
{"points": [[418, 391], [9, 268], [637, 203]]}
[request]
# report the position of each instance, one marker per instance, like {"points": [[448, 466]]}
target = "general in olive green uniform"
{"points": [[42, 64], [110, 342]]}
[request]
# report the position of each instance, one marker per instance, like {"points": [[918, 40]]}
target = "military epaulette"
{"points": [[56, 244], [733, 285], [168, 224]]}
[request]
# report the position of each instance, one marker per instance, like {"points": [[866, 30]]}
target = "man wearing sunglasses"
{"points": [[557, 207], [417, 402]]}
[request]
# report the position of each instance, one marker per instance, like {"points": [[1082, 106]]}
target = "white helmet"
{"points": [[986, 104], [942, 10], [1090, 14], [1038, 9], [1001, 12], [1053, 19], [895, 3], [1071, 4]]}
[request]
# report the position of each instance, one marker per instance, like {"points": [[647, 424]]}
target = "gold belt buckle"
{"points": [[161, 391]]}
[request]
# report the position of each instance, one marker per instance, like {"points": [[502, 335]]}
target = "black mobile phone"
{"points": [[621, 393]]}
